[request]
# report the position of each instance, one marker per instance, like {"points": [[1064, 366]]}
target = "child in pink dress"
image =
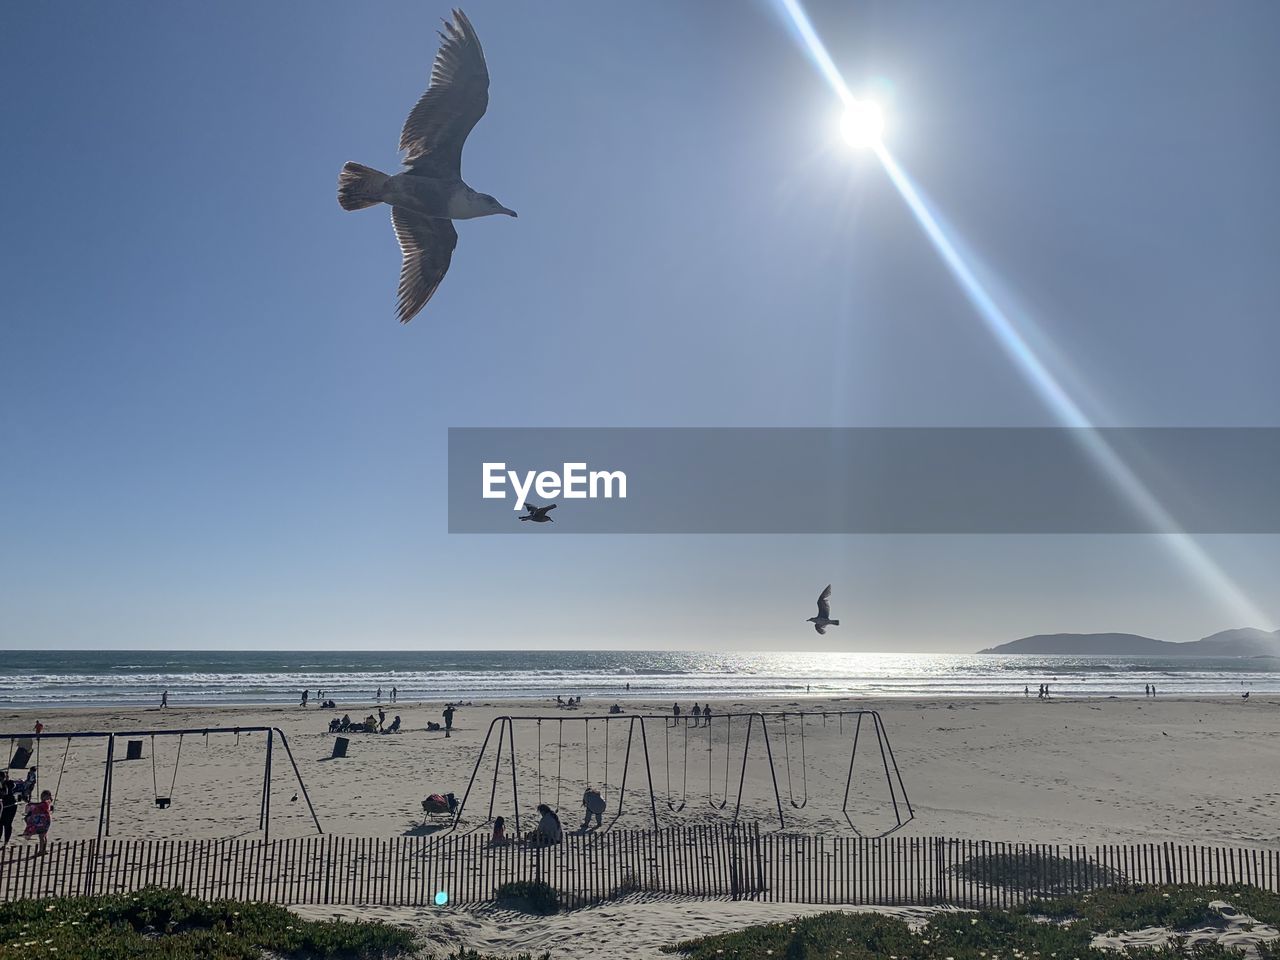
{"points": [[39, 817]]}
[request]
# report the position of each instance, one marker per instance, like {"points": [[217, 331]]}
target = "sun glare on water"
{"points": [[862, 123]]}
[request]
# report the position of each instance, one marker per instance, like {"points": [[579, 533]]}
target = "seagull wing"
{"points": [[533, 510], [454, 102], [824, 605], [547, 509], [426, 245], [820, 628]]}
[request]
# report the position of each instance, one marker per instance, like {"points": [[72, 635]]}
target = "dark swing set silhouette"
{"points": [[795, 769]]}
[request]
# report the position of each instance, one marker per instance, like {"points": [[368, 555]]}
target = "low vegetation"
{"points": [[1020, 934], [156, 924], [531, 896]]}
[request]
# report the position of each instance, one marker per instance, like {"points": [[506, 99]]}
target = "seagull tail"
{"points": [[833, 623], [360, 186]]}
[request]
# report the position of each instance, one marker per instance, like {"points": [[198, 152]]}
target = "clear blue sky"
{"points": [[214, 433]]}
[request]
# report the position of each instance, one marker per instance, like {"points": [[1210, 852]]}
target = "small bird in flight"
{"points": [[539, 514], [429, 194], [823, 619]]}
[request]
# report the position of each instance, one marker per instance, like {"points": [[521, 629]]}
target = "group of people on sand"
{"points": [[1042, 693], [570, 702], [1149, 690], [701, 716], [369, 724], [549, 829], [38, 815]]}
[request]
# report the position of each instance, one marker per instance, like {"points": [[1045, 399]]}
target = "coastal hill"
{"points": [[1244, 642]]}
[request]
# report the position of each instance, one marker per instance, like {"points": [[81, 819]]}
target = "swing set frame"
{"points": [[505, 727], [104, 804]]}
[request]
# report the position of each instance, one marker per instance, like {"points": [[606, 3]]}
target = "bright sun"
{"points": [[863, 123]]}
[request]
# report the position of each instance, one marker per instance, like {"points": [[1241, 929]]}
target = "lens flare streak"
{"points": [[1010, 339]]}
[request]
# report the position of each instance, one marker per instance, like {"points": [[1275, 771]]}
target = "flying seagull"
{"points": [[539, 514], [823, 619], [429, 194]]}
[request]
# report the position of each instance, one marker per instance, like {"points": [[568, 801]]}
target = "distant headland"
{"points": [[1244, 642]]}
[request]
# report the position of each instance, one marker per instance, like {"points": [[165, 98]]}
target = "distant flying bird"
{"points": [[539, 514], [823, 619], [429, 195]]}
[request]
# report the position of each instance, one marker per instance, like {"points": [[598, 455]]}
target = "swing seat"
{"points": [[162, 803]]}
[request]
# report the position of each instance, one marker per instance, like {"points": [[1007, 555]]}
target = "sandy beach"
{"points": [[1082, 771]]}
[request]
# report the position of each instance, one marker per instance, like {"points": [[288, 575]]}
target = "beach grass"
{"points": [[1018, 934], [158, 924]]}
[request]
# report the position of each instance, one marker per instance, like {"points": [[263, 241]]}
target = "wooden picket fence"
{"points": [[739, 862]]}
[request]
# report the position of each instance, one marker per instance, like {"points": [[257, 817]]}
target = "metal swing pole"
{"points": [[105, 804], [515, 792], [653, 803], [626, 764], [266, 790], [266, 784], [497, 768], [284, 742], [474, 772]]}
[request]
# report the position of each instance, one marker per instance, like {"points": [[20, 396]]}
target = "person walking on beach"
{"points": [[1026, 691], [394, 694], [379, 694], [675, 713], [306, 695], [382, 716], [706, 715], [697, 714], [448, 719], [39, 818], [39, 728], [8, 809]]}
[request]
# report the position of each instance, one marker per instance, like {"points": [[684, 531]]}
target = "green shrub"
{"points": [[1019, 933], [158, 924], [531, 896]]}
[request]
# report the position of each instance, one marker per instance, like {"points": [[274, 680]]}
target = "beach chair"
{"points": [[436, 805]]}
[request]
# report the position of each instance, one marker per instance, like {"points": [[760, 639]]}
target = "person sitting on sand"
{"points": [[594, 803], [548, 829], [39, 818], [395, 725]]}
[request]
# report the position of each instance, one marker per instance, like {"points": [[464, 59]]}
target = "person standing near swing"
{"points": [[594, 802], [8, 809], [39, 818]]}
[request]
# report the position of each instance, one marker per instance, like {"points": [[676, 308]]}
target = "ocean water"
{"points": [[109, 677]]}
